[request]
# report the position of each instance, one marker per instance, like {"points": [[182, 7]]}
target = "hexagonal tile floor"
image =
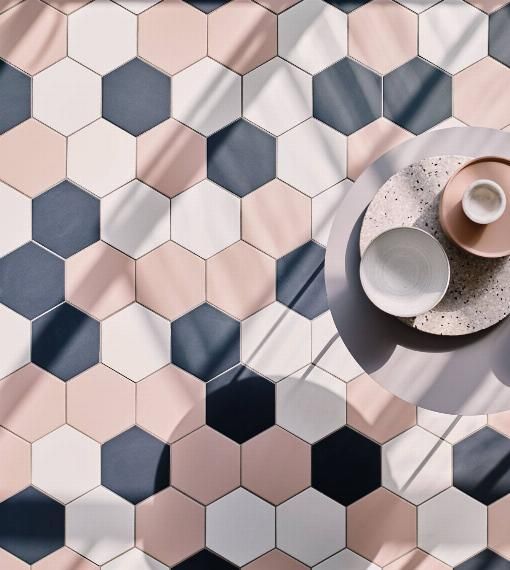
{"points": [[173, 391]]}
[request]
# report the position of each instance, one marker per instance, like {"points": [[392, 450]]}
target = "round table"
{"points": [[456, 375]]}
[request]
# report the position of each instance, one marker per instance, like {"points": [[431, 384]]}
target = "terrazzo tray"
{"points": [[478, 296]]}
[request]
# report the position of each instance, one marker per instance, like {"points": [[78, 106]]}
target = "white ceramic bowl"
{"points": [[405, 272], [484, 201]]}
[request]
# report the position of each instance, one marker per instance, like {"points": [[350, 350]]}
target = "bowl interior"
{"points": [[405, 272]]}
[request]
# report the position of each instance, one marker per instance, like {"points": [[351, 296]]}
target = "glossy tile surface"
{"points": [[174, 393]]}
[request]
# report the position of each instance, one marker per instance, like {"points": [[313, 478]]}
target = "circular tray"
{"points": [[492, 240], [478, 295]]}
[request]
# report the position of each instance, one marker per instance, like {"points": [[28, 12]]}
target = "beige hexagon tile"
{"points": [[276, 465], [383, 35], [474, 103], [102, 36], [499, 527], [15, 341], [206, 465], [206, 96], [376, 412], [67, 96], [33, 48], [170, 526], [241, 280], [100, 280], [324, 208], [329, 352], [170, 403], [381, 527], [64, 559], [453, 35], [500, 422], [46, 150], [100, 403], [369, 143], [242, 35], [275, 559], [135, 219], [15, 474], [21, 394], [171, 157], [417, 560], [181, 270], [172, 35], [275, 218], [101, 157], [450, 427], [312, 35], [15, 219]]}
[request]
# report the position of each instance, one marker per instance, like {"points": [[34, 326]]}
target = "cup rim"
{"points": [[496, 188]]}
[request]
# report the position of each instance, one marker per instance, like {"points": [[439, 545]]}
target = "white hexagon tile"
{"points": [[174, 393]]}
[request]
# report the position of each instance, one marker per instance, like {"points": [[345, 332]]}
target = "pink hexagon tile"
{"points": [[238, 268], [231, 27], [33, 48], [64, 559], [47, 152], [206, 465], [18, 475], [15, 218]]}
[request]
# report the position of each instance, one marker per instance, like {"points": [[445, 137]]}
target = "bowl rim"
{"points": [[441, 248]]}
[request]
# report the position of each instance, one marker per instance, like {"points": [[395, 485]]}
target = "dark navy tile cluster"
{"points": [[481, 465], [347, 5], [15, 97], [65, 341], [136, 97], [32, 525], [241, 157], [499, 46], [347, 96], [485, 560], [205, 560], [417, 95], [300, 280], [346, 466], [31, 280], [240, 404], [135, 465], [65, 219], [206, 342], [206, 6]]}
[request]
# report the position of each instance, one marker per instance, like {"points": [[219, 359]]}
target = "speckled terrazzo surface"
{"points": [[478, 296]]}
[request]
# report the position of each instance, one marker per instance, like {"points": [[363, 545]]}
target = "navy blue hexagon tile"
{"points": [[15, 97], [417, 95], [31, 280], [485, 560], [300, 280], [205, 342], [65, 219], [346, 466], [136, 97], [481, 465], [241, 157], [31, 525], [135, 465], [240, 404], [347, 96], [499, 46], [205, 560], [347, 5], [206, 6], [65, 341]]}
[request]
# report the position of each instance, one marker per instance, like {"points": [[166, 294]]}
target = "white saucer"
{"points": [[405, 272]]}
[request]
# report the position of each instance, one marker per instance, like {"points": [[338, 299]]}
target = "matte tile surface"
{"points": [[15, 97], [15, 217]]}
